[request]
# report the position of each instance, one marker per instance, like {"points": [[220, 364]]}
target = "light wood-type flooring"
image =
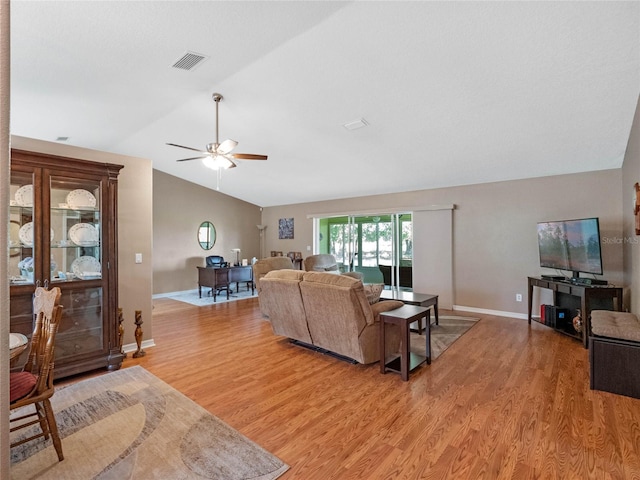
{"points": [[507, 400]]}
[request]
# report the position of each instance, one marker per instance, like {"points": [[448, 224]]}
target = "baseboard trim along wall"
{"points": [[497, 313], [171, 294], [132, 347]]}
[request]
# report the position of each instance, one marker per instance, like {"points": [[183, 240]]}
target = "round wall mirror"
{"points": [[206, 235]]}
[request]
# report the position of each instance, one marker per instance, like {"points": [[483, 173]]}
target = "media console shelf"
{"points": [[573, 297]]}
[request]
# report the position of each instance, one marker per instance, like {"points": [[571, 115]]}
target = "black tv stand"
{"points": [[555, 278], [588, 281], [578, 296]]}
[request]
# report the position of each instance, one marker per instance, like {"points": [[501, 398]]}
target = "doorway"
{"points": [[380, 246]]}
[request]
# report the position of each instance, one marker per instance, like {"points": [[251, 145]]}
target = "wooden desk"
{"points": [[411, 298], [408, 361], [221, 278]]}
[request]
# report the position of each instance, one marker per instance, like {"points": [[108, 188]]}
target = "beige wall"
{"points": [[494, 229], [179, 207], [631, 242], [134, 227]]}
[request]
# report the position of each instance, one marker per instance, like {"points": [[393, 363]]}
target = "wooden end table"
{"points": [[408, 361], [411, 298]]}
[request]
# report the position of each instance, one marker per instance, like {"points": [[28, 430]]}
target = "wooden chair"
{"points": [[34, 384]]}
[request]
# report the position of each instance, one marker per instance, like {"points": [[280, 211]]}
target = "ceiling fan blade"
{"points": [[226, 146], [230, 160], [192, 158], [248, 156], [188, 148]]}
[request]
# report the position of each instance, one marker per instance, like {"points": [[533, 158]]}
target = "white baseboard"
{"points": [[132, 347], [171, 294], [497, 313]]}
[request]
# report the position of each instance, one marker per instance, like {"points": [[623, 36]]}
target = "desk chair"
{"points": [[214, 261]]}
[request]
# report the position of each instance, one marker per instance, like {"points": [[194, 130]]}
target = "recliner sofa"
{"points": [[327, 311], [325, 262], [262, 267]]}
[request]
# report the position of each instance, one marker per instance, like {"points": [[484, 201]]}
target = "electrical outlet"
{"points": [[518, 297], [138, 258]]}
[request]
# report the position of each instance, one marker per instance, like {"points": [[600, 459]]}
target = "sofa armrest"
{"points": [[384, 306]]}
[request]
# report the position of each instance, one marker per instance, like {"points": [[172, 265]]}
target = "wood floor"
{"points": [[507, 400]]}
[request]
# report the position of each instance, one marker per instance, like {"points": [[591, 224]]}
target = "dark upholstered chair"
{"points": [[33, 386], [214, 261]]}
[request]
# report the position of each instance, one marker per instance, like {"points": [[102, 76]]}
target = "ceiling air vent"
{"points": [[189, 61], [356, 124]]}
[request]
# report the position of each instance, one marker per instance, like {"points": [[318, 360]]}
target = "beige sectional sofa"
{"points": [[264, 266], [327, 311], [325, 262]]}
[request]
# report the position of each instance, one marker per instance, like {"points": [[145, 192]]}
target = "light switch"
{"points": [[308, 248], [138, 258]]}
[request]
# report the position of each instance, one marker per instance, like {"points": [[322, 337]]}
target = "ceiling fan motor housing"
{"points": [[211, 147]]}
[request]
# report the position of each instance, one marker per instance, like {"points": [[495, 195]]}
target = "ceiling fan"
{"points": [[218, 155]]}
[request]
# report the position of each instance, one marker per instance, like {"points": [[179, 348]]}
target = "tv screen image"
{"points": [[572, 245]]}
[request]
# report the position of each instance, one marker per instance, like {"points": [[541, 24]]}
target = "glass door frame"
{"points": [[354, 242]]}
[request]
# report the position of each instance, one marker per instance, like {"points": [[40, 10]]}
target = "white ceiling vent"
{"points": [[356, 124], [189, 61]]}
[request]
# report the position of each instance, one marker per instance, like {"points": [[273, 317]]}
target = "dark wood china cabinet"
{"points": [[63, 233]]}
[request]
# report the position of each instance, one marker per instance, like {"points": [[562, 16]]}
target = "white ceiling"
{"points": [[454, 93]]}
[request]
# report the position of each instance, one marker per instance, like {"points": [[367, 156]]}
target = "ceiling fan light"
{"points": [[217, 162]]}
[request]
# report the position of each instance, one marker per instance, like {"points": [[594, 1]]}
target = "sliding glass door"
{"points": [[378, 246]]}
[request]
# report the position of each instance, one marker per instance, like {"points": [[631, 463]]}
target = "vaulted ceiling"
{"points": [[452, 93]]}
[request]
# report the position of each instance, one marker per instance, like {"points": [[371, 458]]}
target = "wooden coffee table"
{"points": [[408, 361], [412, 298]]}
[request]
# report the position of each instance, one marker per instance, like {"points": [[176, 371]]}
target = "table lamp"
{"points": [[237, 252]]}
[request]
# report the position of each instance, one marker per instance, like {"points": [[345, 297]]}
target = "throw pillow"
{"points": [[373, 291]]}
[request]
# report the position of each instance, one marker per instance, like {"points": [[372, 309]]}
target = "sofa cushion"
{"points": [[329, 278], [285, 274], [624, 325], [373, 291]]}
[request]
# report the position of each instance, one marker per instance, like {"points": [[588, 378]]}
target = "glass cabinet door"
{"points": [[75, 230], [24, 247], [75, 263]]}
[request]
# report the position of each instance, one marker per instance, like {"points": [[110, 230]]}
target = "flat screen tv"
{"points": [[572, 245]]}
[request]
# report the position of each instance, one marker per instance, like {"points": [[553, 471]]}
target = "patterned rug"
{"points": [[191, 297], [129, 424], [450, 329]]}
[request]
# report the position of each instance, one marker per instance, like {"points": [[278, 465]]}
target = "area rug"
{"points": [[450, 329], [192, 297], [129, 424]]}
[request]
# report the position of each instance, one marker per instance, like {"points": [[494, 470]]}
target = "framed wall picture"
{"points": [[285, 228]]}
